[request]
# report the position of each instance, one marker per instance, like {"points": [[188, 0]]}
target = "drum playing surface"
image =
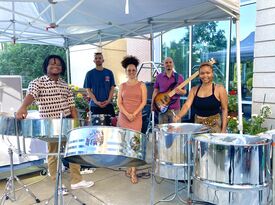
{"points": [[105, 146]]}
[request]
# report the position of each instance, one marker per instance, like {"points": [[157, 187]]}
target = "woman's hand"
{"points": [[176, 118], [130, 117]]}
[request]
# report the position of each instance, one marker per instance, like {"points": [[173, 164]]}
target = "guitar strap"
{"points": [[173, 85]]}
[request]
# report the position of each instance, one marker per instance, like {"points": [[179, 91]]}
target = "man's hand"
{"points": [[105, 103], [21, 113], [180, 91], [101, 104]]}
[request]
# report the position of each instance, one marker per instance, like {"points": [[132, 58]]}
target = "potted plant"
{"points": [[232, 106], [81, 102], [251, 126]]}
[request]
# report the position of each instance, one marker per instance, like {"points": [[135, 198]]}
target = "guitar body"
{"points": [[162, 102]]}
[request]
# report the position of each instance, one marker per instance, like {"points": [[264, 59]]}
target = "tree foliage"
{"points": [[26, 60], [206, 38]]}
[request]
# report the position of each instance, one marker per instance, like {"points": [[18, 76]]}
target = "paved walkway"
{"points": [[111, 187]]}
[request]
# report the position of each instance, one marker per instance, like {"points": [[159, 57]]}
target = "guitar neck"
{"points": [[180, 86]]}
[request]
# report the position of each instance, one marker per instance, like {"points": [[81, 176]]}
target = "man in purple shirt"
{"points": [[163, 83]]}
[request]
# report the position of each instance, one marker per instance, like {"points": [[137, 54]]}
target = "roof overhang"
{"points": [[74, 22]]}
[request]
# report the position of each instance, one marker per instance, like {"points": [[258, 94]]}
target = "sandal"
{"points": [[134, 178], [128, 172]]}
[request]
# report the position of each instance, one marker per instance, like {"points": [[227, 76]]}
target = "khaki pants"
{"points": [[52, 164], [167, 117]]}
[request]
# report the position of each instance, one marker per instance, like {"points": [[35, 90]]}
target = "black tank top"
{"points": [[206, 106]]}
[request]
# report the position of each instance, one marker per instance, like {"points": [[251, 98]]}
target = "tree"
{"points": [[26, 60], [206, 38]]}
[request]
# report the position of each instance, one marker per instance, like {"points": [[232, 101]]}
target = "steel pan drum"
{"points": [[47, 129], [101, 119], [105, 146], [7, 124], [171, 149], [232, 168]]}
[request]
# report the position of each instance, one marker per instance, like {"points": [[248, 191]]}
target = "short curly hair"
{"points": [[127, 60], [46, 63]]}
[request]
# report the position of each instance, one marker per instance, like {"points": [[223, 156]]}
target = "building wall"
{"points": [[81, 59], [264, 59], [140, 49]]}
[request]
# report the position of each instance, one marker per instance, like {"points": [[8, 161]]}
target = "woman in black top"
{"points": [[209, 101]]}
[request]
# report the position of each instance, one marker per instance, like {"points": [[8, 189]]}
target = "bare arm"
{"points": [[186, 106], [111, 94], [120, 105], [155, 92], [74, 112], [22, 111], [224, 106], [91, 95], [143, 99]]}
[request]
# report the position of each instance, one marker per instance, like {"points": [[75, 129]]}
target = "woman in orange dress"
{"points": [[132, 97]]}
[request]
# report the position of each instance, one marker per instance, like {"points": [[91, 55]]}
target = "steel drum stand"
{"points": [[58, 196], [153, 169], [189, 197], [9, 192], [176, 194], [153, 160]]}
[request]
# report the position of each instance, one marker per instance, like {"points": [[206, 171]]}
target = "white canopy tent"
{"points": [[74, 22]]}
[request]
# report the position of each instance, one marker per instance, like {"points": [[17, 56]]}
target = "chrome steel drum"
{"points": [[268, 134], [101, 119], [171, 149], [105, 146], [232, 169], [7, 124], [47, 129]]}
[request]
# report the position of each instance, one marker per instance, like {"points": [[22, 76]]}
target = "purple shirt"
{"points": [[163, 83]]}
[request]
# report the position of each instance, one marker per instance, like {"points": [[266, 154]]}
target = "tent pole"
{"points": [[68, 65], [228, 57], [151, 42], [67, 50], [190, 61], [239, 84]]}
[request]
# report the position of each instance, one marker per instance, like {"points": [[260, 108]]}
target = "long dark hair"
{"points": [[46, 63]]}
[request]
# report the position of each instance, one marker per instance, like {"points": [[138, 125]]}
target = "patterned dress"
{"points": [[131, 100]]}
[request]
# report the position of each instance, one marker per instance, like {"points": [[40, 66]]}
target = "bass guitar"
{"points": [[162, 101]]}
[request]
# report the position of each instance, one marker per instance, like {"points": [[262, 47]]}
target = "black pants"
{"points": [[109, 109]]}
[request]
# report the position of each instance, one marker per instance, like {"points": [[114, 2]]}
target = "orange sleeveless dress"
{"points": [[131, 99]]}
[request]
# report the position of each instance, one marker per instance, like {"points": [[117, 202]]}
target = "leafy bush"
{"points": [[252, 126]]}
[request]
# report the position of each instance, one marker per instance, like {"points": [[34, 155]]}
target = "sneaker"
{"points": [[87, 171], [82, 184], [64, 190]]}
